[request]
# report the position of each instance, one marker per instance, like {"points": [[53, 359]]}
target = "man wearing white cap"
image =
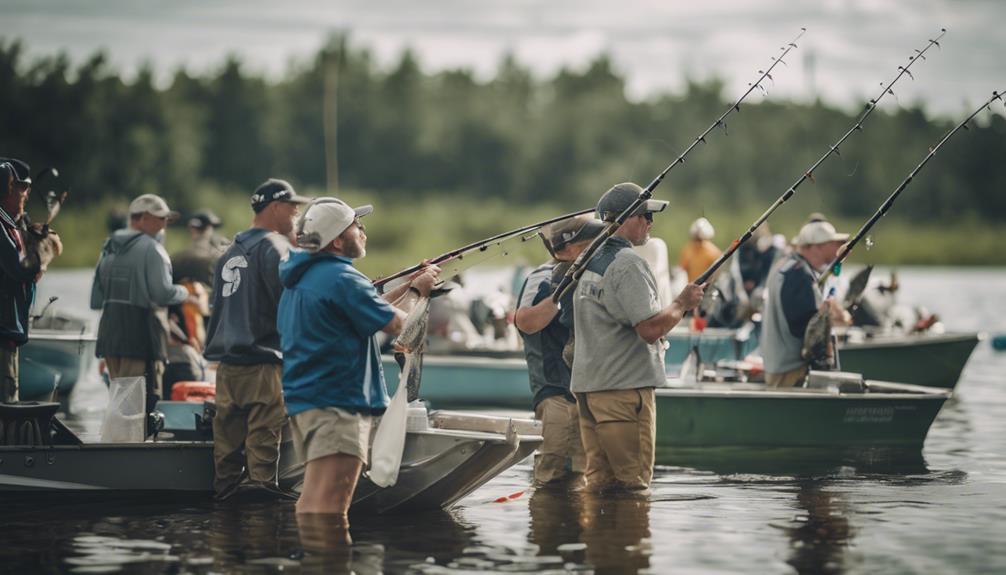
{"points": [[132, 287], [333, 383], [792, 299]]}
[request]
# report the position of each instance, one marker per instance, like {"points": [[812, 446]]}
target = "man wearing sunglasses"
{"points": [[132, 287], [20, 268], [619, 357]]}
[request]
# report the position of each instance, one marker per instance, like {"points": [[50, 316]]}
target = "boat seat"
{"points": [[27, 423], [839, 381], [463, 421]]}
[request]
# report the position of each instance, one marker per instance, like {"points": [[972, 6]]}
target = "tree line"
{"points": [[340, 120]]}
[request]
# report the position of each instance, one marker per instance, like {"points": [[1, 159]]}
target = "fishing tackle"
{"points": [[578, 267], [481, 245], [836, 266], [832, 150]]}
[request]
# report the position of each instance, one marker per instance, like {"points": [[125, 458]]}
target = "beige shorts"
{"points": [[330, 430]]}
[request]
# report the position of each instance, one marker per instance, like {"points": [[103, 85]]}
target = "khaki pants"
{"points": [[618, 429], [787, 378], [561, 433], [250, 416], [8, 375]]}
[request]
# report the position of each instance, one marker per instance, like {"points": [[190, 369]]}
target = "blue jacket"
{"points": [[17, 283], [328, 315]]}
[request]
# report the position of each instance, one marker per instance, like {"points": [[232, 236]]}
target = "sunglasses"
{"points": [[648, 216]]}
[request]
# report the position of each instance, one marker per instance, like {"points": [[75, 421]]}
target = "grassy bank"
{"points": [[403, 232]]}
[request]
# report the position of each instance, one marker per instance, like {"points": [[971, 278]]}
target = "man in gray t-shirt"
{"points": [[618, 362]]}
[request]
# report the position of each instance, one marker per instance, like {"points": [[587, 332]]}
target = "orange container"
{"points": [[194, 391]]}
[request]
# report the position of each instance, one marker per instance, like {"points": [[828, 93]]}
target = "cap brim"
{"points": [[172, 217], [840, 237], [654, 206], [363, 210], [295, 199]]}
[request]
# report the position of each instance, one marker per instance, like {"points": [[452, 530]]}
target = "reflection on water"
{"points": [[822, 531]]}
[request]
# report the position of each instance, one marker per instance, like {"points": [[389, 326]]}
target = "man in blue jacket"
{"points": [[20, 269], [333, 383]]}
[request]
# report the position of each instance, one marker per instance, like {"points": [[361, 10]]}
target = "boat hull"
{"points": [[440, 464], [929, 360], [743, 416]]}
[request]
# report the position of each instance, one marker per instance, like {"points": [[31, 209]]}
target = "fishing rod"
{"points": [[833, 150], [836, 266], [481, 245], [579, 265]]}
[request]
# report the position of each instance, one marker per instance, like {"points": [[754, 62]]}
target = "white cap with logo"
{"points": [[818, 232], [323, 221]]}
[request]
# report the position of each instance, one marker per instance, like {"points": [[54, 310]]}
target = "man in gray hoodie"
{"points": [[132, 287], [243, 338]]}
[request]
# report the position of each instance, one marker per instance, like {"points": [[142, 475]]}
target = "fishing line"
{"points": [[833, 150]]}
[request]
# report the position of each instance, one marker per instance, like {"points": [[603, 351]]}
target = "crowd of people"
{"points": [[291, 325]]}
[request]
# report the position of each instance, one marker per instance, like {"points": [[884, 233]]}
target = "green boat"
{"points": [[868, 415], [713, 344], [932, 360], [926, 359], [462, 382]]}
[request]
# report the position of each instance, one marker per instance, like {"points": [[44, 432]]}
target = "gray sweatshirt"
{"points": [[132, 283]]}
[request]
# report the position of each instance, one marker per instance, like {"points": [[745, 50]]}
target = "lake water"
{"points": [[938, 514]]}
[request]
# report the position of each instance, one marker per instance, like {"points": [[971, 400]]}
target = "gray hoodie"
{"points": [[132, 284]]}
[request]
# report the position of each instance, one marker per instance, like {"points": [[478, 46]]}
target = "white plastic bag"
{"points": [[124, 418], [389, 440]]}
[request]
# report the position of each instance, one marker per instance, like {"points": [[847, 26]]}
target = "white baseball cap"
{"points": [[323, 221], [152, 204], [818, 232]]}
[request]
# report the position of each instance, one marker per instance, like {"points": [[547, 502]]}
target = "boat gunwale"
{"points": [[881, 342], [914, 393]]}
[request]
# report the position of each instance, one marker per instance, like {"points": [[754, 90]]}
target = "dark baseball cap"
{"points": [[204, 218], [574, 230], [620, 197], [20, 170], [275, 190]]}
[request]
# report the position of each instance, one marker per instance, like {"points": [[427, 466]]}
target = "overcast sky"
{"points": [[851, 46]]}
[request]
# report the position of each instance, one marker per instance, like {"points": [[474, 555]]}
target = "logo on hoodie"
{"points": [[231, 274]]}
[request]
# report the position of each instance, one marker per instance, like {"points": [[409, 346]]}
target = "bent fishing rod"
{"points": [[579, 265], [832, 150], [836, 266], [481, 245]]}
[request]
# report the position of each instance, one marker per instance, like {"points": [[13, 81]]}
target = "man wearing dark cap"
{"points": [[198, 260], [243, 338], [132, 287], [546, 333], [20, 269], [619, 358]]}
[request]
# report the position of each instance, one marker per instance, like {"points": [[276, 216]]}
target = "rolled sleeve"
{"points": [[367, 311]]}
